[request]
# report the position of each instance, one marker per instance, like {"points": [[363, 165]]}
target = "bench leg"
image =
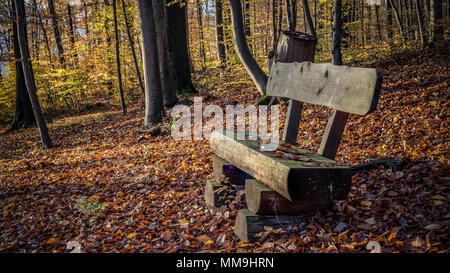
{"points": [[223, 169], [217, 195], [333, 134], [263, 200], [248, 224], [293, 117]]}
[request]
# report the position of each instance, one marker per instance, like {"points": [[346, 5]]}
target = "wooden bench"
{"points": [[283, 189]]}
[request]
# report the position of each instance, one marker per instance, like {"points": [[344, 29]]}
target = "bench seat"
{"points": [[318, 178]]}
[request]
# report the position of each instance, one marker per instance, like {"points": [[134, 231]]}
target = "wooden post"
{"points": [[217, 195], [293, 117], [294, 47], [263, 200], [333, 134], [223, 169], [248, 224]]}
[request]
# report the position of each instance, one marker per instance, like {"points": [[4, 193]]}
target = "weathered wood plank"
{"points": [[263, 200], [347, 89], [295, 180], [333, 134], [292, 122], [224, 169], [248, 224]]}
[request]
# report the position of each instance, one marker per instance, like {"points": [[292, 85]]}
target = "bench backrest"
{"points": [[347, 89], [342, 88]]}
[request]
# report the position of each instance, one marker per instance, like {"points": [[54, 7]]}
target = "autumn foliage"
{"points": [[110, 186]]}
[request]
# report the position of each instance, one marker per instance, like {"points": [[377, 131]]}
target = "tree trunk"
{"points": [[119, 74], [307, 14], [51, 6], [23, 115], [28, 74], [274, 27], [337, 33], [410, 20], [178, 47], [246, 5], [221, 55], [420, 22], [315, 14], [243, 51], [437, 33], [291, 14], [377, 17], [368, 25], [397, 18], [44, 32], [133, 51], [201, 34], [153, 94], [168, 91], [361, 20], [71, 29], [388, 19]]}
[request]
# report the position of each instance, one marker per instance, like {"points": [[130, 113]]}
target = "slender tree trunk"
{"points": [[23, 115], [337, 33], [307, 14], [221, 54], [201, 33], [276, 31], [388, 20], [44, 32], [246, 6], [361, 18], [280, 16], [28, 73], [291, 14], [133, 51], [437, 33], [71, 27], [168, 91], [244, 53], [369, 24], [86, 18], [119, 73], [410, 20], [428, 18], [315, 14], [153, 94], [51, 6], [448, 9], [178, 47], [397, 19], [35, 33], [420, 22], [377, 17], [248, 32]]}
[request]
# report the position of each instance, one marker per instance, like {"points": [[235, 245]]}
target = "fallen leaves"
{"points": [[131, 235], [365, 203], [51, 241], [144, 193]]}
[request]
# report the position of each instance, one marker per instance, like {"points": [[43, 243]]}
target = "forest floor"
{"points": [[109, 186]]}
